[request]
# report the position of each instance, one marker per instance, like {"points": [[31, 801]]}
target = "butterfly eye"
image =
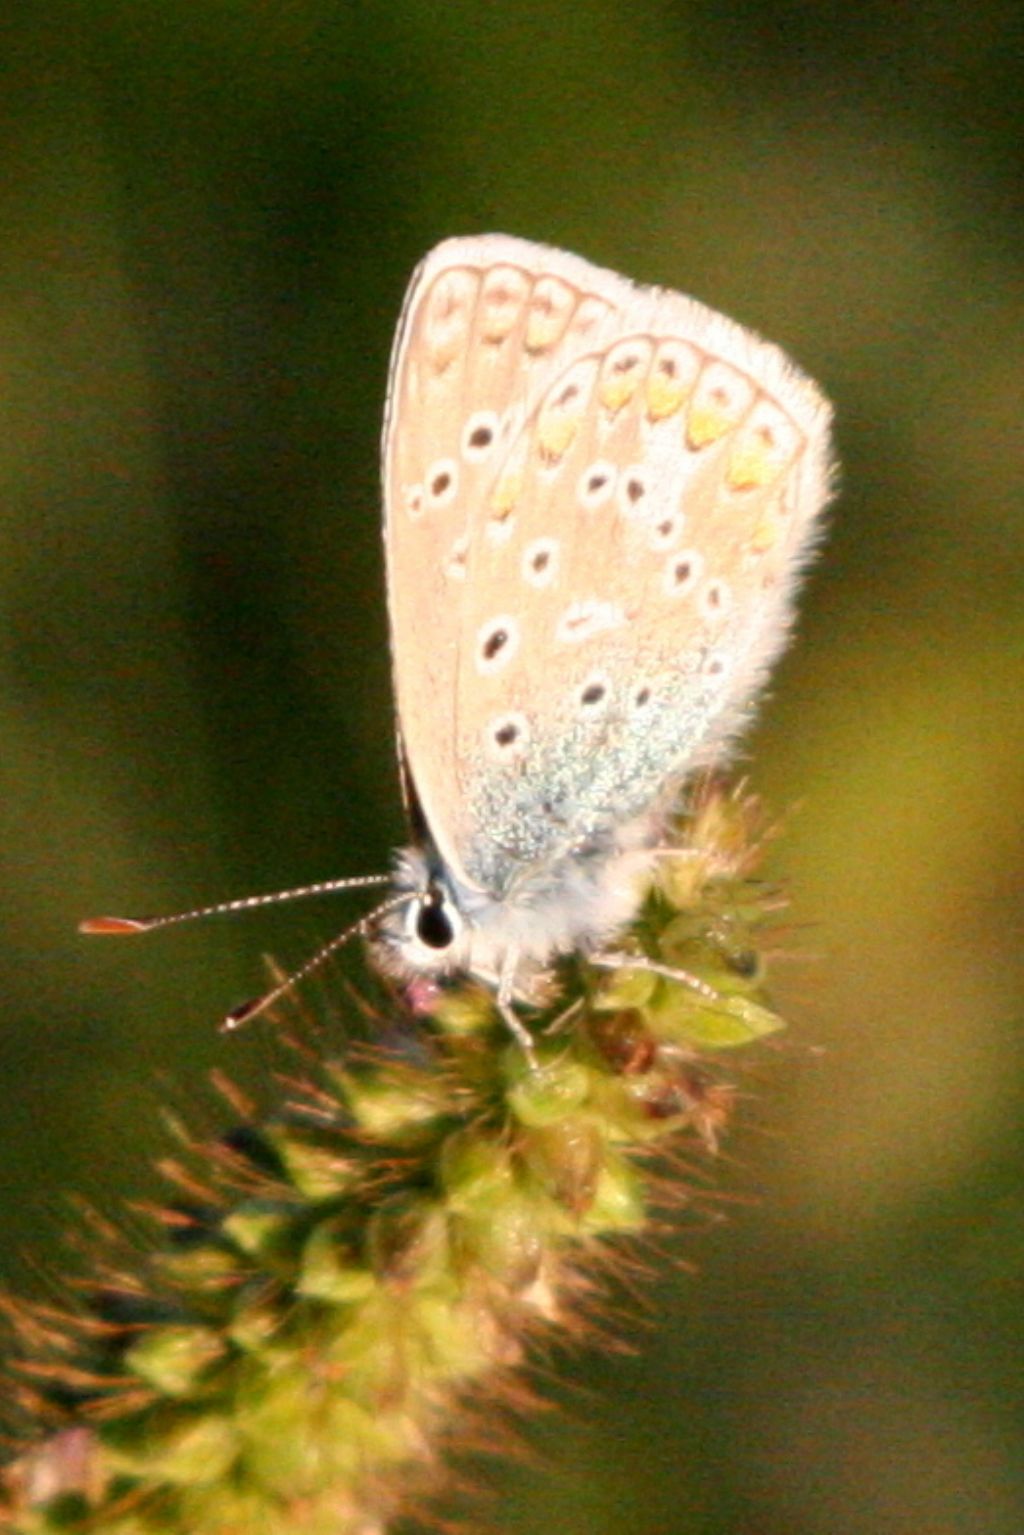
{"points": [[433, 920], [433, 927]]}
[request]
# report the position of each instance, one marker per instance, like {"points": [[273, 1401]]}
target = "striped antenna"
{"points": [[247, 1011], [119, 925]]}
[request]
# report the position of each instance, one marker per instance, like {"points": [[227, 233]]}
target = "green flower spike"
{"points": [[333, 1283]]}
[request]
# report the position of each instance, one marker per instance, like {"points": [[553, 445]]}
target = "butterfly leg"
{"points": [[652, 967], [506, 1006]]}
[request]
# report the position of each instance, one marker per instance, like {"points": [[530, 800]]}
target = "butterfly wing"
{"points": [[599, 500], [477, 345]]}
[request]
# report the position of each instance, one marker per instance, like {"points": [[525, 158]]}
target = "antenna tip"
{"points": [[241, 1014], [114, 925]]}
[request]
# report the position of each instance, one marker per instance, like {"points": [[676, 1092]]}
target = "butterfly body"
{"points": [[598, 501]]}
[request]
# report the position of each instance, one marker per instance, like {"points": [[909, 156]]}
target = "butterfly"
{"points": [[598, 502]]}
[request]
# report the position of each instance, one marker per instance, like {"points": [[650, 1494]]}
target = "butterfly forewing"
{"points": [[598, 499], [485, 325]]}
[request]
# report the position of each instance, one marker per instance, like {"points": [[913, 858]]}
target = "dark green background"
{"points": [[208, 213]]}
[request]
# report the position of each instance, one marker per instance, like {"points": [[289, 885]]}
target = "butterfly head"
{"points": [[424, 929], [438, 923]]}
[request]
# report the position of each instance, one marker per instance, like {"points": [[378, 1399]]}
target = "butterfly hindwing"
{"points": [[599, 498]]}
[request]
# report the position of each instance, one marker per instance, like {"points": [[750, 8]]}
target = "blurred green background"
{"points": [[208, 213]]}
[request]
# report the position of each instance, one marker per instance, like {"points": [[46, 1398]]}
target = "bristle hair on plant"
{"points": [[334, 1287]]}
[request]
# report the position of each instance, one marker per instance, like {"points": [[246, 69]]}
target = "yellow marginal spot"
{"points": [[768, 530], [562, 411], [551, 304], [665, 395], [767, 445], [556, 432], [755, 463], [706, 423], [443, 351], [622, 373], [671, 379], [448, 316], [614, 393], [501, 302], [505, 494], [720, 401]]}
